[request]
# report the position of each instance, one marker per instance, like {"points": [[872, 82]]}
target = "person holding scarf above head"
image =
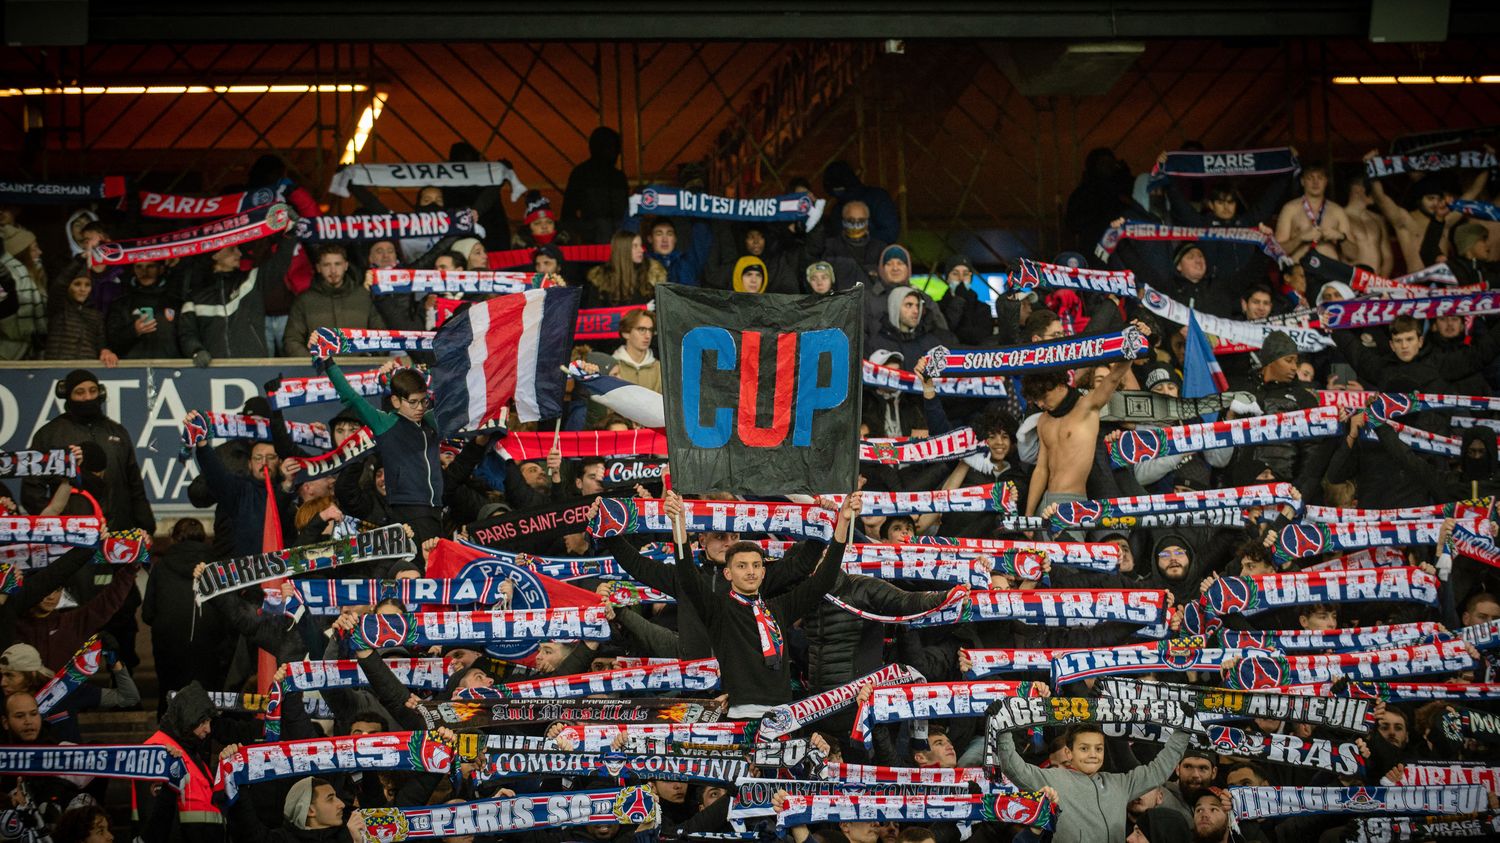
{"points": [[1422, 231], [1224, 207]]}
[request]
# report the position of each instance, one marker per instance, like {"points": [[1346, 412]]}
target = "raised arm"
{"points": [[802, 600]]}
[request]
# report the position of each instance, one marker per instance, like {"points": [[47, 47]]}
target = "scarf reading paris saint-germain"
{"points": [[934, 701], [1256, 803], [1036, 274], [1334, 640], [899, 380], [948, 446], [1349, 715], [84, 664], [781, 720], [1299, 541], [419, 752], [1147, 231], [1137, 446], [696, 675], [1259, 672], [538, 812], [171, 206], [424, 629], [60, 192], [393, 542], [1088, 514], [1071, 352], [624, 516], [140, 763], [425, 674], [1028, 809], [1057, 607], [198, 240], [1194, 164]]}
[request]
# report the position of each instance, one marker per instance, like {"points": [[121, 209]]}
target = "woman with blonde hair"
{"points": [[628, 278]]}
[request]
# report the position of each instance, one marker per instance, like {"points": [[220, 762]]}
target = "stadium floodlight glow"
{"points": [[138, 90], [1416, 80], [363, 128]]}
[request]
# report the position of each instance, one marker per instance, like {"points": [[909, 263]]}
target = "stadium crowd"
{"points": [[762, 616]]}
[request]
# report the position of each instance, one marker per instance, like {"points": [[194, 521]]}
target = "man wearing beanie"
{"points": [[893, 271], [312, 811], [125, 505], [1470, 252], [1278, 391]]}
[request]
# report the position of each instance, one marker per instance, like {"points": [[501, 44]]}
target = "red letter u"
{"points": [[781, 408]]}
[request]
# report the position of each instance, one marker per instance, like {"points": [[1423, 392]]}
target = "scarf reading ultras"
{"points": [[393, 542], [139, 763], [1137, 446]]}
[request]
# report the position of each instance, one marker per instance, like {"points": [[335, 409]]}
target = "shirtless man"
{"points": [[1368, 243], [1068, 431], [1312, 221], [1423, 231]]}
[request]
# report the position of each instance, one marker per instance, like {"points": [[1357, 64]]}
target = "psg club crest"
{"points": [[634, 806], [1138, 446], [1299, 541], [529, 593], [1233, 595], [1255, 673], [649, 199], [615, 517]]}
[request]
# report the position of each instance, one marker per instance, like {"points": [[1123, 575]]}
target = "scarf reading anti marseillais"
{"points": [[782, 720], [393, 542], [482, 714], [1072, 352], [1137, 446], [1146, 231], [198, 240]]}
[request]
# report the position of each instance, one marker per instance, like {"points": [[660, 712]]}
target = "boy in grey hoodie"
{"points": [[1091, 804]]}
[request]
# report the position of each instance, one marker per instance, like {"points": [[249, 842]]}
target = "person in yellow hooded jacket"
{"points": [[750, 275]]}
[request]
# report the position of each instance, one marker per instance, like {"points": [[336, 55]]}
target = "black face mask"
{"points": [[88, 410], [1066, 406]]}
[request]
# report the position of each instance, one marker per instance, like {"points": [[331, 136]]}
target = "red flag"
{"points": [[270, 539], [449, 558]]}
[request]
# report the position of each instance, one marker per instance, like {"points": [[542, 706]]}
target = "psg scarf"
{"points": [[1343, 758], [1010, 714], [172, 206], [140, 763], [1058, 607], [1350, 715], [625, 516], [84, 664], [584, 764], [1178, 655], [921, 563], [424, 629], [1471, 724], [987, 662], [535, 812], [1230, 162], [898, 380], [57, 462], [1370, 557], [1028, 809], [327, 342], [521, 446], [1071, 352], [1335, 640], [301, 392], [697, 675], [393, 281], [1258, 672], [1088, 514], [423, 674], [1136, 406], [74, 530], [384, 544], [256, 429], [679, 202], [838, 771], [484, 714], [199, 240], [1391, 165], [1407, 829], [784, 719], [1461, 510], [1299, 541], [594, 737], [1147, 231], [1252, 595], [1035, 274], [364, 227], [1450, 773], [439, 174], [1258, 803], [935, 701], [332, 594], [1248, 334], [60, 193], [1475, 545], [1468, 207], [419, 752], [1363, 313], [949, 446], [1363, 281], [1137, 446], [1400, 691], [989, 497], [354, 446], [1098, 556]]}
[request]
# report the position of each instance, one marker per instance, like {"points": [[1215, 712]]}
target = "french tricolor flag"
{"points": [[511, 347]]}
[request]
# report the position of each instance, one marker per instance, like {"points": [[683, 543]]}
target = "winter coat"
{"points": [[125, 503], [842, 646], [245, 499], [225, 315], [119, 325], [912, 344], [597, 194], [346, 306], [646, 373], [179, 631], [74, 331]]}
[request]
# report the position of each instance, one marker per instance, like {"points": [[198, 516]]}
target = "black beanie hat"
{"points": [[76, 377]]}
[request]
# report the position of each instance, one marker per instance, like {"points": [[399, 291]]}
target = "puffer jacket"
{"points": [[345, 306], [225, 315], [842, 646], [913, 345], [119, 325]]}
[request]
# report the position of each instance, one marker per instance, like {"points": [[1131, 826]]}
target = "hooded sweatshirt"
{"points": [[1186, 588], [745, 263]]}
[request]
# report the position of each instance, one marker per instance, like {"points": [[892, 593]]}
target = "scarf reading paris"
{"points": [[935, 701], [198, 240], [420, 752], [536, 812], [1028, 809], [392, 281], [393, 542]]}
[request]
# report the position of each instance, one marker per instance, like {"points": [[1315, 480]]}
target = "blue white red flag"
{"points": [[633, 401], [508, 348]]}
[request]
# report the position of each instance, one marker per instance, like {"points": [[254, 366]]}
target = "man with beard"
{"points": [[1175, 567], [124, 501], [1422, 231], [1211, 817], [1068, 432], [1195, 774]]}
